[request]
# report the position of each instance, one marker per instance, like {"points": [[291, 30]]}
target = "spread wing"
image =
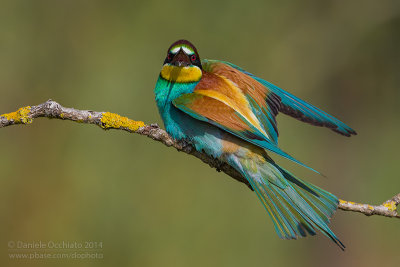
{"points": [[295, 107], [236, 103]]}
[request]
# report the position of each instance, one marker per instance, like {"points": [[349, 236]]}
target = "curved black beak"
{"points": [[181, 59]]}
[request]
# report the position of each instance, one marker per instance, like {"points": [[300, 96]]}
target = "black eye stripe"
{"points": [[195, 60], [168, 58]]}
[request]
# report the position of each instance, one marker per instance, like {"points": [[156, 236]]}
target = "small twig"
{"points": [[387, 208], [107, 120]]}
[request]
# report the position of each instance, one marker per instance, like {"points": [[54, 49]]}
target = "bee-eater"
{"points": [[229, 114]]}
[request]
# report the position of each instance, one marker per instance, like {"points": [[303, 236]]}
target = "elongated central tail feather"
{"points": [[296, 207]]}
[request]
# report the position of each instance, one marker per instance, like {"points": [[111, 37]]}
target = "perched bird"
{"points": [[229, 114]]}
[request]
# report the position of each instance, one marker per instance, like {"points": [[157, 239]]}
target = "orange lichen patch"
{"points": [[391, 205], [112, 120], [20, 116]]}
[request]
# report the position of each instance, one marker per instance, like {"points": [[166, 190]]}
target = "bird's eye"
{"points": [[169, 57], [193, 57]]}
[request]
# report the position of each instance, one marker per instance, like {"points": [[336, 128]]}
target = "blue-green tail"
{"points": [[296, 207]]}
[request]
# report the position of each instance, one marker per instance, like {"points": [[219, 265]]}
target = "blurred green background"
{"points": [[153, 206]]}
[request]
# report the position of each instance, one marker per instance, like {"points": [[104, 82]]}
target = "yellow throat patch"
{"points": [[181, 74]]}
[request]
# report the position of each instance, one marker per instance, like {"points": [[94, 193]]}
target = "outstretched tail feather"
{"points": [[323, 202], [296, 207], [287, 225]]}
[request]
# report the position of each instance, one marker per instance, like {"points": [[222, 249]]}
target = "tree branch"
{"points": [[387, 208], [106, 120]]}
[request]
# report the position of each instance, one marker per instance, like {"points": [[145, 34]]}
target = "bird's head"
{"points": [[182, 63]]}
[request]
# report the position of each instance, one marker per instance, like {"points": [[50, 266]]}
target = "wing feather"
{"points": [[290, 104], [230, 111]]}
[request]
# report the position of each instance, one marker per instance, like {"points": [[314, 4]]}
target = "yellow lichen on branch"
{"points": [[391, 205], [20, 116], [388, 208], [112, 120]]}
